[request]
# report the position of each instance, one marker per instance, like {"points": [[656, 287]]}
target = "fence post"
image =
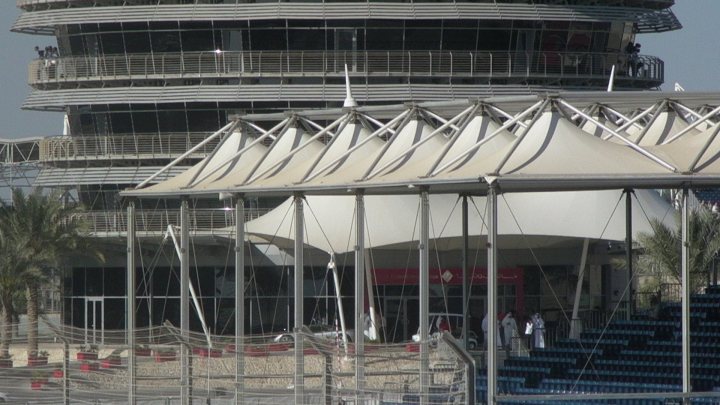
{"points": [[328, 379], [66, 369]]}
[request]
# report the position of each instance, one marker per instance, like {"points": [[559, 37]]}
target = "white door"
{"points": [[94, 320]]}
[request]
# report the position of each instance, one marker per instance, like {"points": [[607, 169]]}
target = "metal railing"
{"points": [[18, 151], [252, 64], [652, 4], [202, 220], [136, 146], [155, 221]]}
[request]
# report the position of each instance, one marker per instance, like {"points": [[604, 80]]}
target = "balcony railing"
{"points": [[522, 65], [138, 146], [155, 222], [91, 3]]}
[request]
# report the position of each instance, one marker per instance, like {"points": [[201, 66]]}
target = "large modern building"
{"points": [[142, 81]]}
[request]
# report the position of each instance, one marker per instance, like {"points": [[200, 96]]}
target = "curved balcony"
{"points": [[537, 66], [129, 147], [47, 19], [92, 3]]}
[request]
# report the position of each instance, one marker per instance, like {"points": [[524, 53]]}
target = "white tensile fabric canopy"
{"points": [[458, 151], [392, 221]]}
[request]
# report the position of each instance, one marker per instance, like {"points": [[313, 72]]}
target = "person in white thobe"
{"points": [[538, 331], [510, 329]]}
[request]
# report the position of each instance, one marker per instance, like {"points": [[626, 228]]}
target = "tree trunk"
{"points": [[7, 313], [32, 315]]}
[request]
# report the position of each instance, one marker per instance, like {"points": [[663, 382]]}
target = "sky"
{"points": [[691, 55]]}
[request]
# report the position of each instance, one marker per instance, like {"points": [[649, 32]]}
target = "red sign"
{"points": [[451, 276]]}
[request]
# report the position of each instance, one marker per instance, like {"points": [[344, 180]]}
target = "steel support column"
{"points": [[185, 367], [628, 251], [359, 296], [465, 272], [685, 321], [492, 294], [299, 296], [239, 298], [130, 304], [424, 285]]}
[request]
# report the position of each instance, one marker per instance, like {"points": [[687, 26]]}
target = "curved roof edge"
{"points": [[43, 22], [57, 100]]}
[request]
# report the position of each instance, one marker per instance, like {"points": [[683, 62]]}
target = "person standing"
{"points": [[509, 329], [538, 331], [529, 333]]}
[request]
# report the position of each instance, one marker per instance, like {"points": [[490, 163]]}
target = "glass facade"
{"points": [[127, 119], [338, 35], [269, 295]]}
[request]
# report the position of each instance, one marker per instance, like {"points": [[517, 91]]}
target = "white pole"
{"points": [[575, 324], [424, 296], [685, 321], [492, 294], [193, 294], [371, 297], [466, 282], [185, 373], [349, 100], [611, 82], [359, 296], [299, 296], [239, 299], [338, 298], [130, 307]]}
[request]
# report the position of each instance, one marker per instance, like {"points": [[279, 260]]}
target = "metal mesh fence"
{"points": [[74, 365]]}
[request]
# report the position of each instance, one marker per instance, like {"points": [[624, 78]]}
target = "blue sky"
{"points": [[691, 55]]}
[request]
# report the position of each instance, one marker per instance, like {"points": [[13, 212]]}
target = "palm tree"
{"points": [[45, 233], [662, 249], [10, 283]]}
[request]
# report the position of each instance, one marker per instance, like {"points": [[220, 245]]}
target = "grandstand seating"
{"points": [[639, 355]]}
